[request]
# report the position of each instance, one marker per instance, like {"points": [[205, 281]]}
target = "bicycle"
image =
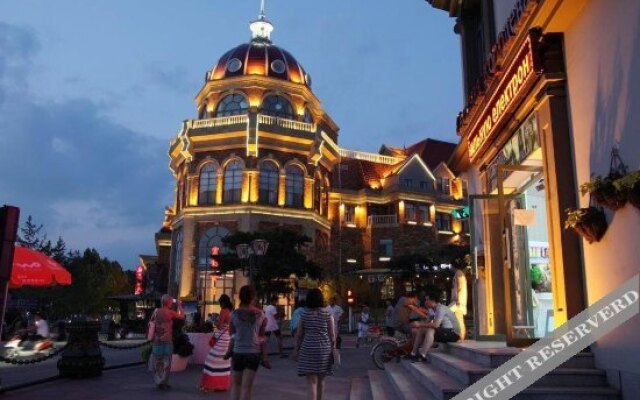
{"points": [[389, 348]]}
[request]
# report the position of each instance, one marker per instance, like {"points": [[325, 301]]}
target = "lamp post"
{"points": [[251, 256]]}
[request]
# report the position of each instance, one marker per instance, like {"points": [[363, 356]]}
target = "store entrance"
{"points": [[525, 253]]}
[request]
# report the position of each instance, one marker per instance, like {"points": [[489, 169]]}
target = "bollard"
{"points": [[82, 358]]}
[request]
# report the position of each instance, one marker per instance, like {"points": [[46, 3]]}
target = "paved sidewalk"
{"points": [[281, 382]]}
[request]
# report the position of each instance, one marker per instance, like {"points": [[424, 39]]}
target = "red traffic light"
{"points": [[350, 297]]}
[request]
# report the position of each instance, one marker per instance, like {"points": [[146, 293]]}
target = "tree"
{"points": [[284, 258], [30, 234]]}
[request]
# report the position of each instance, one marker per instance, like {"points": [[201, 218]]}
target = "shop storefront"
{"points": [[528, 269]]}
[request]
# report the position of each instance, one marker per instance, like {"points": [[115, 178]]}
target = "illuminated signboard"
{"points": [[521, 71], [461, 213]]}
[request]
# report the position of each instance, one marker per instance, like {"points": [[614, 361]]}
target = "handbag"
{"points": [[151, 331], [335, 357]]}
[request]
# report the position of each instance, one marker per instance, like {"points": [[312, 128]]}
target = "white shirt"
{"points": [[446, 318], [42, 328], [270, 312]]}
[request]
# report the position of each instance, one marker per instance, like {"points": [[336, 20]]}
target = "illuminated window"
{"points": [[268, 183], [208, 184], [277, 106], [349, 214], [233, 182], [294, 184], [233, 104], [443, 221]]}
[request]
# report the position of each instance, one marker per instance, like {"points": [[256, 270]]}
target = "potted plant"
{"points": [[182, 348], [604, 191], [590, 222], [629, 185]]}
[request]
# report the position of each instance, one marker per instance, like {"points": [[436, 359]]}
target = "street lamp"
{"points": [[251, 255]]}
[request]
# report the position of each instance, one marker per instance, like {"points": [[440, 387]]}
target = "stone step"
{"points": [[360, 389], [468, 372], [569, 393], [493, 354], [381, 388], [405, 385], [437, 383]]}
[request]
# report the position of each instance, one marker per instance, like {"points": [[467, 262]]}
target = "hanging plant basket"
{"points": [[604, 192], [629, 185], [590, 223]]}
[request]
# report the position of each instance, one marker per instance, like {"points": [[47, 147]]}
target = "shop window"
{"points": [[268, 183], [233, 104], [233, 182], [208, 184], [294, 186], [386, 248], [443, 221], [277, 106]]}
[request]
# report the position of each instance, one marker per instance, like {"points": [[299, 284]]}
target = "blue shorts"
{"points": [[162, 349]]}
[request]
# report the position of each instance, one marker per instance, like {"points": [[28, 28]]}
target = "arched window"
{"points": [[277, 106], [268, 183], [233, 104], [233, 182], [208, 184], [308, 118], [294, 185], [212, 237]]}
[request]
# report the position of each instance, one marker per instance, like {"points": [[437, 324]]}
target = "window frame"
{"points": [[293, 182], [267, 187], [268, 106], [232, 182], [212, 180], [243, 105]]}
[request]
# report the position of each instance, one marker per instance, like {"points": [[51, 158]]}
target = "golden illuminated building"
{"points": [[262, 153]]}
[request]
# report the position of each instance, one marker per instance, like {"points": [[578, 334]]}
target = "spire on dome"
{"points": [[261, 28]]}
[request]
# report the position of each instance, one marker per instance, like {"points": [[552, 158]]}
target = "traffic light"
{"points": [[351, 300], [215, 260]]}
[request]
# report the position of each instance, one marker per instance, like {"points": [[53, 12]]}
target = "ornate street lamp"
{"points": [[251, 256]]}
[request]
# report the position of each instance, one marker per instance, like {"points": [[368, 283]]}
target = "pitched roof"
{"points": [[432, 151]]}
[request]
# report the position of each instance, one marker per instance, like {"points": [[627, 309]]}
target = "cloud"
{"points": [[175, 78], [92, 181]]}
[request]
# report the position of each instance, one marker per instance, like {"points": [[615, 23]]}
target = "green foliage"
{"points": [[284, 257], [94, 278]]}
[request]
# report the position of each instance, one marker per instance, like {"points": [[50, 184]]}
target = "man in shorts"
{"points": [[273, 324]]}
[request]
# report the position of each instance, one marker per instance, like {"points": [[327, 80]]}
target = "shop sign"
{"points": [[461, 213], [524, 141], [517, 76]]}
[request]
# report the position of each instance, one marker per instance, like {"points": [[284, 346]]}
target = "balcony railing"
{"points": [[382, 220], [220, 121], [372, 157], [286, 123]]}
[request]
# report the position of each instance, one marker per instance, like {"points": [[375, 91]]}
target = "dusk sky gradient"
{"points": [[92, 91]]}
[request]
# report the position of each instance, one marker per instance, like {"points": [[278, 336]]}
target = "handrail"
{"points": [[372, 157], [287, 123], [382, 220], [220, 121]]}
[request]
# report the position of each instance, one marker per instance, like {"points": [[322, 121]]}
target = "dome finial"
{"points": [[261, 28]]}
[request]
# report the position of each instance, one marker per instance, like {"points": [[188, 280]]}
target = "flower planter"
{"points": [[608, 196], [590, 223], [178, 363]]}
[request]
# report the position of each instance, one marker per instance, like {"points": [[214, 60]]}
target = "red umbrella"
{"points": [[32, 268]]}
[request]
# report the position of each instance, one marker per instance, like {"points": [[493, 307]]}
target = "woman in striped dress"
{"points": [[216, 374], [315, 340]]}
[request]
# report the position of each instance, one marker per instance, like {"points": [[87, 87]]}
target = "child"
{"points": [[363, 326]]}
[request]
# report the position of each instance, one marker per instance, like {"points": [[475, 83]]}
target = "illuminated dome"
{"points": [[260, 57]]}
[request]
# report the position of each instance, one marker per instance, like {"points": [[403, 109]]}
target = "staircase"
{"points": [[455, 366]]}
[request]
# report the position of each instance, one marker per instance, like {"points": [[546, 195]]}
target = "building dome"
{"points": [[260, 57]]}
